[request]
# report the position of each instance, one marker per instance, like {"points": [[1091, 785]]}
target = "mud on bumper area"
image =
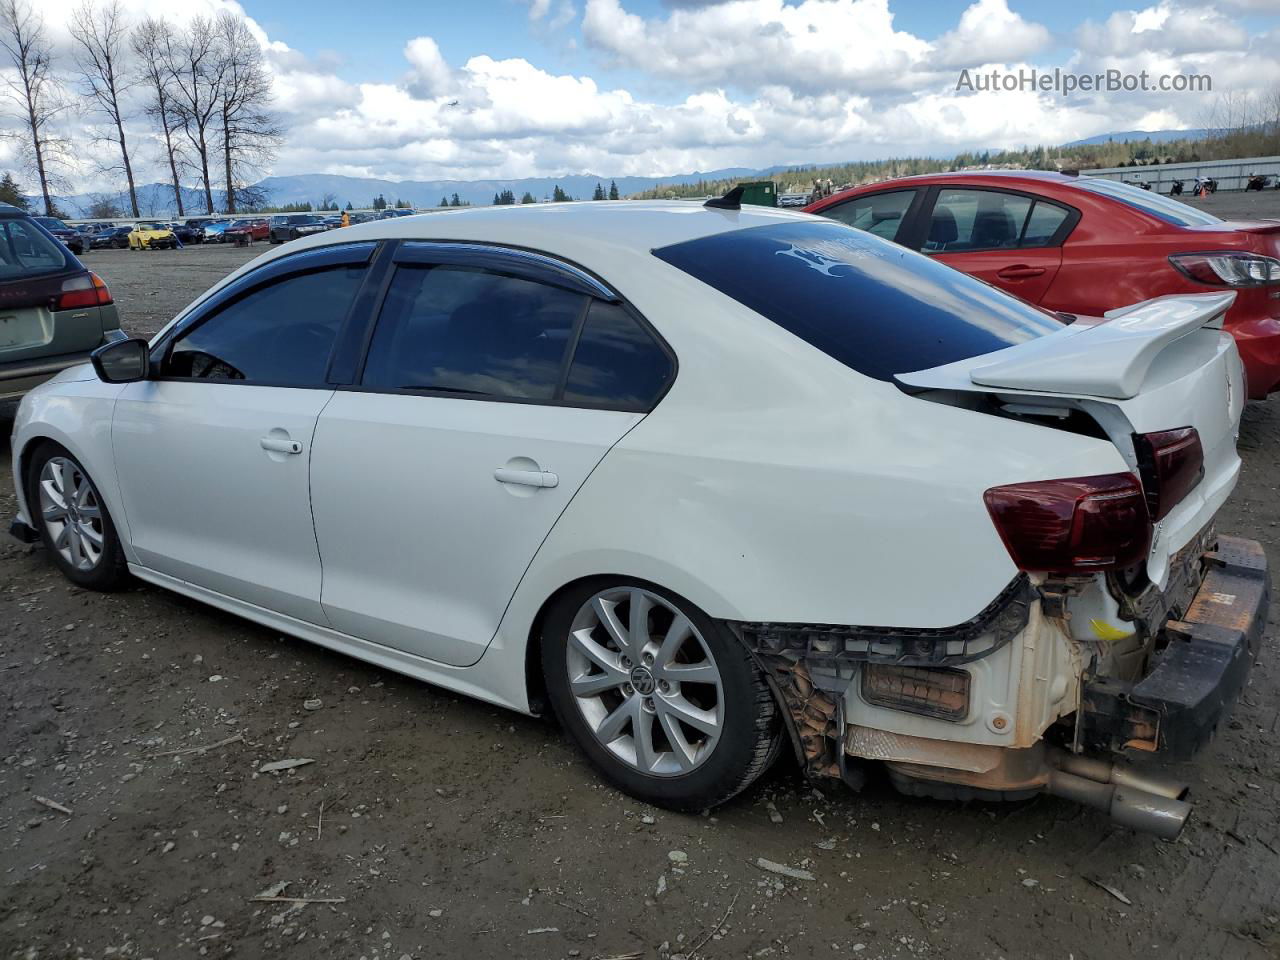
{"points": [[1199, 674]]}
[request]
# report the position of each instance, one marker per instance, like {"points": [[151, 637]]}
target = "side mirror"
{"points": [[124, 361]]}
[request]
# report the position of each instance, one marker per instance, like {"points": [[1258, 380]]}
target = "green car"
{"points": [[53, 311]]}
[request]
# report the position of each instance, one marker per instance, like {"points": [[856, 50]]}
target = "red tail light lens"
{"points": [[86, 290], [1079, 525], [1171, 463], [1228, 269]]}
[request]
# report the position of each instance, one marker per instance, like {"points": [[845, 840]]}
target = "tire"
{"points": [[675, 764], [100, 566]]}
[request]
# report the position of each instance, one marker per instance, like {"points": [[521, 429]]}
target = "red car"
{"points": [[256, 229], [1083, 245]]}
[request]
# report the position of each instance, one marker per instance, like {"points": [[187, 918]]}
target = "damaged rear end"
{"points": [[1132, 624]]}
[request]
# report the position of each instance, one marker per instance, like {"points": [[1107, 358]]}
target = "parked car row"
{"points": [[1083, 245], [709, 484]]}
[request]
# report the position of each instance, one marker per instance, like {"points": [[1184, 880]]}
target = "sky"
{"points": [[515, 88]]}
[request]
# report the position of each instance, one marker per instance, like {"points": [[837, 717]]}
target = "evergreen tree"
{"points": [[10, 192], [379, 202], [455, 202], [497, 200], [528, 198], [559, 196], [613, 189], [348, 206], [599, 193], [444, 201]]}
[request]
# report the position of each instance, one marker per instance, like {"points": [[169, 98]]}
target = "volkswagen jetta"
{"points": [[707, 482]]}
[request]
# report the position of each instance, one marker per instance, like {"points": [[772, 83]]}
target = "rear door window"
{"points": [[468, 331], [969, 220], [1043, 225], [880, 213], [617, 363], [872, 305]]}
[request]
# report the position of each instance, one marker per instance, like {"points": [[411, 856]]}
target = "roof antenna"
{"points": [[730, 201]]}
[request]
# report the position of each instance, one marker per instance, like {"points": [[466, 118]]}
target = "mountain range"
{"points": [[156, 199]]}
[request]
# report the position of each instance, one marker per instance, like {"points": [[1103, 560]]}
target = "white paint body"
{"points": [[771, 483]]}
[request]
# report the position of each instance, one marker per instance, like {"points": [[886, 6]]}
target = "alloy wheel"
{"points": [[71, 512], [645, 681]]}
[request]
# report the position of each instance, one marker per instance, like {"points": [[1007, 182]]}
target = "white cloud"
{"points": [[989, 32], [1166, 28], [431, 75], [739, 83]]}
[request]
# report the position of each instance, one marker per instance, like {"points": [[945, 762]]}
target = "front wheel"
{"points": [[73, 521], [663, 700]]}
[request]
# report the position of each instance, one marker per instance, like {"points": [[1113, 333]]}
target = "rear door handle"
{"points": [[1019, 272], [526, 478], [277, 445]]}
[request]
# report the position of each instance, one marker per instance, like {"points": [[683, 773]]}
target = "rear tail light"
{"points": [[940, 692], [1171, 463], [86, 290], [1228, 269], [1079, 525]]}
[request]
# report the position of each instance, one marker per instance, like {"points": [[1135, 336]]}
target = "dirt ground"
{"points": [[440, 827]]}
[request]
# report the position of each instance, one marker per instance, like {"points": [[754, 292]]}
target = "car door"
{"points": [[1011, 240], [212, 454], [494, 383]]}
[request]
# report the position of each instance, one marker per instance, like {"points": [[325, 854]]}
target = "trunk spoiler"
{"points": [[1104, 357]]}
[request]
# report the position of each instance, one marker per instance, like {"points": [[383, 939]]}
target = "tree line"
{"points": [[204, 87]]}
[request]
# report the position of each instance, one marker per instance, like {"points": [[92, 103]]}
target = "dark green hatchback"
{"points": [[53, 311]]}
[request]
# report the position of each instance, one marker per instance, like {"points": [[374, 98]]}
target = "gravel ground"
{"points": [[438, 826]]}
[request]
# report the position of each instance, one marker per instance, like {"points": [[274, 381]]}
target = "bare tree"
{"points": [[35, 95], [150, 41], [101, 35], [248, 135], [193, 75], [104, 207]]}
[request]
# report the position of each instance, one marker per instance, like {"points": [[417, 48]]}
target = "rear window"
{"points": [[26, 251], [1148, 201], [876, 307]]}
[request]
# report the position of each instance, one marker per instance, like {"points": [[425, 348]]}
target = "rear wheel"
{"points": [[73, 521], [663, 700]]}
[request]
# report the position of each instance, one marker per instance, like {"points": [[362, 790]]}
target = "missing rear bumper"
{"points": [[1197, 677]]}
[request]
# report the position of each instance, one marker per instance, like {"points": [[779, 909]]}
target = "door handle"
{"points": [[1019, 272], [526, 478], [277, 445]]}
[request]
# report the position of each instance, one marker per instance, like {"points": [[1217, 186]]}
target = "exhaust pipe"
{"points": [[1137, 801], [1104, 771]]}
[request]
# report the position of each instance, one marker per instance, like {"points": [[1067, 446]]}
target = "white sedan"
{"points": [[706, 482]]}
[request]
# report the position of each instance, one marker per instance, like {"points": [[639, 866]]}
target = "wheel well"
{"points": [[535, 684], [24, 464]]}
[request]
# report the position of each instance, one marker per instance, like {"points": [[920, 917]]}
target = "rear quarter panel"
{"points": [[773, 483]]}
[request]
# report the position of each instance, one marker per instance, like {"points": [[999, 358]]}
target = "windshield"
{"points": [[151, 226], [1148, 201], [874, 306], [51, 223]]}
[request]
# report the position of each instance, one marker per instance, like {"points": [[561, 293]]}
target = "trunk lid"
{"points": [[1154, 366]]}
